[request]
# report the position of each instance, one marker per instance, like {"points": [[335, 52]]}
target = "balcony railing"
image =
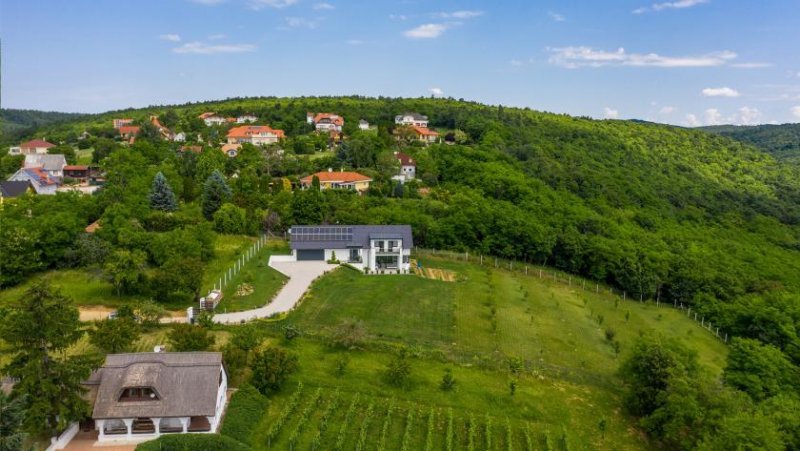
{"points": [[387, 249]]}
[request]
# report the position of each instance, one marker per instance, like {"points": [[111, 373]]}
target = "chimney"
{"points": [[330, 169]]}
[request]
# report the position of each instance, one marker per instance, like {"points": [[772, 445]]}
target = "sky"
{"points": [[684, 62]]}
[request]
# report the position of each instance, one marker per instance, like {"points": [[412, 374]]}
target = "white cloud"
{"points": [[436, 92], [720, 92], [678, 4], [796, 111], [556, 17], [200, 48], [301, 22], [751, 65], [610, 113], [692, 121], [427, 31], [574, 57], [667, 110], [170, 37], [747, 116], [355, 41], [277, 4], [713, 116], [323, 6], [215, 37], [460, 14]]}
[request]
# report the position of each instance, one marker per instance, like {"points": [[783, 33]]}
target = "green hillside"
{"points": [[17, 123], [781, 141], [657, 212]]}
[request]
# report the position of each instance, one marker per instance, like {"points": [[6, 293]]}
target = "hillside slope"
{"points": [[781, 141]]}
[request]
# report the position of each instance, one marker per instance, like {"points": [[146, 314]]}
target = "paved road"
{"points": [[300, 274]]}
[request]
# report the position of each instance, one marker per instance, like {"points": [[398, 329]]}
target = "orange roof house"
{"points": [[327, 121], [338, 180], [425, 134], [254, 134]]}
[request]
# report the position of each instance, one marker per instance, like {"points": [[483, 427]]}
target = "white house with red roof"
{"points": [[254, 134], [246, 118], [327, 122], [211, 118], [408, 167], [426, 135], [32, 147], [338, 180]]}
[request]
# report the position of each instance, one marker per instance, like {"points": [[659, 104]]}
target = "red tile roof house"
{"points": [[254, 134], [128, 132], [41, 182], [338, 180], [408, 167], [328, 122], [33, 147], [210, 118], [426, 135]]}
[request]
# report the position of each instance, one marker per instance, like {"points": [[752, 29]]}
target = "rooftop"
{"points": [[334, 176], [341, 236], [36, 143]]}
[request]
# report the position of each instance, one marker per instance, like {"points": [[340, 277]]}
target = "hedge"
{"points": [[245, 410]]}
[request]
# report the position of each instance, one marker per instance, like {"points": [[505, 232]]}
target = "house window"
{"points": [[405, 259], [392, 245], [355, 255], [138, 394], [379, 245]]}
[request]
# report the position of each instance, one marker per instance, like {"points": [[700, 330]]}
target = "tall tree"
{"points": [[125, 269], [115, 335], [161, 195], [40, 327], [12, 411], [215, 193]]}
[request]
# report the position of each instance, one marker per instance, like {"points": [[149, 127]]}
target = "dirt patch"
{"points": [[100, 312], [434, 273]]}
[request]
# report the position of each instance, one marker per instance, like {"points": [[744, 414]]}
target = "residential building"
{"points": [[338, 180], [412, 119], [118, 123], [425, 135], [165, 132], [231, 150], [363, 125], [408, 168], [144, 395], [179, 137], [374, 248], [41, 182], [128, 132], [33, 147], [254, 134], [10, 189], [83, 174], [246, 118], [53, 165], [328, 122], [211, 118]]}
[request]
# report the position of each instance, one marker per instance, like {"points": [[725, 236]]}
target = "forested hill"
{"points": [[661, 212], [17, 123], [782, 141]]}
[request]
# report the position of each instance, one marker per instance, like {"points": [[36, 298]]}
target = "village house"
{"points": [[211, 118], [338, 180], [254, 134], [33, 147], [128, 132], [118, 123], [411, 119], [408, 168], [83, 174], [141, 396], [53, 165], [231, 150], [363, 125], [165, 132], [425, 135], [10, 189], [39, 180], [374, 248], [179, 137], [246, 118], [326, 121]]}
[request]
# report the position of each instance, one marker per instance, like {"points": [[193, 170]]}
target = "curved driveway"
{"points": [[300, 275]]}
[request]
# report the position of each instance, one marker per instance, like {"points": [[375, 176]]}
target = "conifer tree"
{"points": [[161, 195], [215, 193]]}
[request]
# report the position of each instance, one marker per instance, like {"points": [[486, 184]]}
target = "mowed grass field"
{"points": [[264, 280], [490, 327]]}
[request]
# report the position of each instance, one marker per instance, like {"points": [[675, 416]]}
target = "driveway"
{"points": [[300, 275]]}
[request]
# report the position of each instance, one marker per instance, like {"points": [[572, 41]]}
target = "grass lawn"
{"points": [[84, 156], [264, 280], [476, 326]]}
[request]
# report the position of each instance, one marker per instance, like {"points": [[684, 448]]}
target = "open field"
{"points": [[490, 327], [257, 275]]}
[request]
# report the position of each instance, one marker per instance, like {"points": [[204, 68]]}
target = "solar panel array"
{"points": [[329, 233]]}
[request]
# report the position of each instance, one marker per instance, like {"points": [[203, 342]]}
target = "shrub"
{"points": [[245, 410], [610, 334], [271, 367], [398, 370], [193, 442], [448, 381]]}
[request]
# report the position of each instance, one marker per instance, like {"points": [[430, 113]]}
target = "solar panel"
{"points": [[324, 233]]}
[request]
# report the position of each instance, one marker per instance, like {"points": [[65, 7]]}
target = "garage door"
{"points": [[310, 254]]}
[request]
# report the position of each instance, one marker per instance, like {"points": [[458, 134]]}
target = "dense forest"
{"points": [[782, 141], [660, 212], [17, 123]]}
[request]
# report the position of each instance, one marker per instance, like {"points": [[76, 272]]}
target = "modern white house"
{"points": [[141, 396], [373, 248], [412, 119], [328, 122], [246, 118], [210, 118]]}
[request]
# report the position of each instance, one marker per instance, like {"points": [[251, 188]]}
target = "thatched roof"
{"points": [[186, 384]]}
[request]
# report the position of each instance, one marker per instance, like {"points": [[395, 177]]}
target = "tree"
{"points": [[743, 431], [114, 335], [398, 369], [246, 337], [315, 183], [64, 149], [40, 327], [215, 193], [448, 381], [124, 269], [271, 367], [161, 195], [12, 413], [187, 337], [230, 219], [760, 370], [149, 313]]}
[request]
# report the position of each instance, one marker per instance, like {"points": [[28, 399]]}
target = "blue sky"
{"points": [[687, 62]]}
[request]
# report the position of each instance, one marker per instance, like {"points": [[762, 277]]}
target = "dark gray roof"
{"points": [[14, 188], [186, 383], [361, 235]]}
